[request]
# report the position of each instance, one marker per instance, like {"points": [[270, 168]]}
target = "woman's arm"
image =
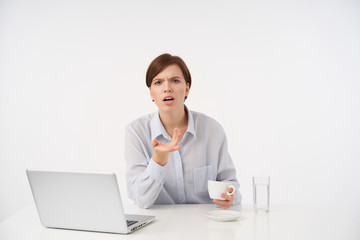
{"points": [[227, 171], [145, 175]]}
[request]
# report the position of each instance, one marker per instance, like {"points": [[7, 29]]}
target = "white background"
{"points": [[282, 77]]}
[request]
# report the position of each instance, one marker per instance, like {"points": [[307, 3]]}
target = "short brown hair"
{"points": [[163, 61]]}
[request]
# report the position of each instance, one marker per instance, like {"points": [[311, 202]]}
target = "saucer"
{"points": [[223, 215]]}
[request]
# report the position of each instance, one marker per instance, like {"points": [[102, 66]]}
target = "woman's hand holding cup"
{"points": [[222, 193]]}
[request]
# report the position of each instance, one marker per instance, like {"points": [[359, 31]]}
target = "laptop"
{"points": [[82, 201]]}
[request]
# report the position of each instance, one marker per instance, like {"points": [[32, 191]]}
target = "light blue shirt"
{"points": [[203, 156]]}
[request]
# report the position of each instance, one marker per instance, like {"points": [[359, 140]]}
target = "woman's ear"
{"points": [[187, 89], [151, 94]]}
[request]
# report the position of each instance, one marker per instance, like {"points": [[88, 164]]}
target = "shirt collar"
{"points": [[191, 123], [158, 129]]}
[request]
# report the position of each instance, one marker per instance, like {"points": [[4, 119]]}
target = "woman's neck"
{"points": [[172, 120]]}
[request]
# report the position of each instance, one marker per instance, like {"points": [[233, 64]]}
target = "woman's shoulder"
{"points": [[141, 122], [201, 119]]}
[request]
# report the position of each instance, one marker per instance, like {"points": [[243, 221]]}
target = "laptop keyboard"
{"points": [[129, 223]]}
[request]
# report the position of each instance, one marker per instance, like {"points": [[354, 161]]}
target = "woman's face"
{"points": [[169, 88]]}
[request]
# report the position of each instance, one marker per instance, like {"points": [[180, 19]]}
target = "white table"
{"points": [[190, 222]]}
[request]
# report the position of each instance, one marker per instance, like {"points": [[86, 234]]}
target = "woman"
{"points": [[171, 154]]}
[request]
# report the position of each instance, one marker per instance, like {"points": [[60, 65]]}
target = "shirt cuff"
{"points": [[156, 171]]}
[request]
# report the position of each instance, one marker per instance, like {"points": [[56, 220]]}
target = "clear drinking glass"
{"points": [[261, 191]]}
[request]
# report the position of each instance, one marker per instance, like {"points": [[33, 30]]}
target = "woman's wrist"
{"points": [[160, 158]]}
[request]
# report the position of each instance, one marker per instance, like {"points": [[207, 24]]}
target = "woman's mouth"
{"points": [[168, 100]]}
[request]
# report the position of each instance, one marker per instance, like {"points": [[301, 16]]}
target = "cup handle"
{"points": [[233, 190]]}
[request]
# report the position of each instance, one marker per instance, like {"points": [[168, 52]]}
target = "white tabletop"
{"points": [[190, 222]]}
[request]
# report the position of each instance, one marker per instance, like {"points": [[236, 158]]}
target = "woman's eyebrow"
{"points": [[156, 79]]}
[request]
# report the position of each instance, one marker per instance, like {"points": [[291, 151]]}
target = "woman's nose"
{"points": [[167, 87]]}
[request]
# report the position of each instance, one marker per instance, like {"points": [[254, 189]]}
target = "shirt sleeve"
{"points": [[144, 177], [226, 169]]}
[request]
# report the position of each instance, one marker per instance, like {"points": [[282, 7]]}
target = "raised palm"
{"points": [[168, 147]]}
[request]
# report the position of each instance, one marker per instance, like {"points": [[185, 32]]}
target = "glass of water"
{"points": [[261, 191]]}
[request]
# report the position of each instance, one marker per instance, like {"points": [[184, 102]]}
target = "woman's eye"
{"points": [[176, 80], [157, 83]]}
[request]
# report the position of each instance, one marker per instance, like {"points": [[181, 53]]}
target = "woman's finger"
{"points": [[176, 148], [227, 197], [225, 204], [176, 137], [158, 146], [155, 142]]}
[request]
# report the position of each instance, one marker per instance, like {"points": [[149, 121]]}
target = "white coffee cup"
{"points": [[216, 188]]}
